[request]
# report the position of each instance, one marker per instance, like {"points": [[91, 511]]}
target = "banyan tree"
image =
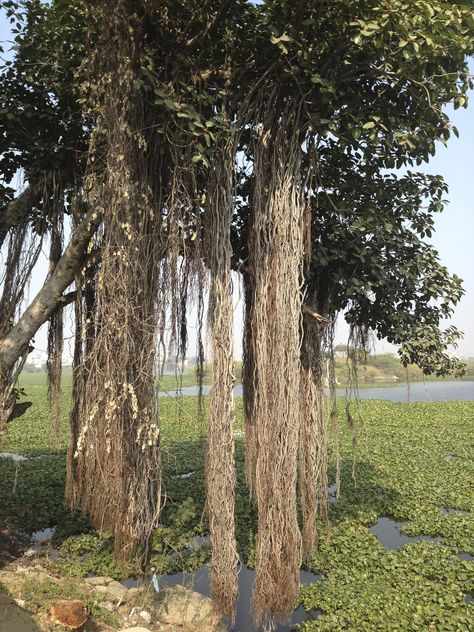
{"points": [[214, 143]]}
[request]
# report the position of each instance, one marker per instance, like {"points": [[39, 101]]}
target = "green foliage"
{"points": [[401, 472], [371, 262], [373, 80], [42, 126], [39, 596]]}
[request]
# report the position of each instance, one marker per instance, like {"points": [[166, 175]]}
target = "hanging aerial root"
{"points": [[55, 327], [313, 477], [277, 261], [220, 467], [22, 254], [114, 460], [249, 384]]}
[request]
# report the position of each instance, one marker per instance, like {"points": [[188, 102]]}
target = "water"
{"points": [[419, 392], [43, 537], [13, 457], [389, 535], [199, 581], [453, 512], [416, 392]]}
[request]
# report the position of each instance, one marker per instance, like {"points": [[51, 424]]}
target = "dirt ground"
{"points": [[13, 618]]}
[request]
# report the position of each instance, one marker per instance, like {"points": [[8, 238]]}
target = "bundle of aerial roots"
{"points": [[165, 244]]}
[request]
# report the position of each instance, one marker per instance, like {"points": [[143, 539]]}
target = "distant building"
{"points": [[340, 351], [193, 361], [67, 360], [37, 359], [171, 366]]}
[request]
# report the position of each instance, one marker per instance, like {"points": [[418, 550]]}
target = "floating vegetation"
{"points": [[400, 475]]}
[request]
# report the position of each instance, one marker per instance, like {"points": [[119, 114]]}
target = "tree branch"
{"points": [[312, 314], [16, 212], [211, 25], [50, 296]]}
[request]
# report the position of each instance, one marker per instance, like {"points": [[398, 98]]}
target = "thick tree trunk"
{"points": [[15, 344]]}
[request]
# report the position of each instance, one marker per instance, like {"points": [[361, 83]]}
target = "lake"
{"points": [[442, 391]]}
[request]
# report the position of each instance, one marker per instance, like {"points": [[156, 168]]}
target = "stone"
{"points": [[145, 615], [98, 581], [101, 590], [139, 629], [22, 569], [107, 605], [180, 606], [134, 593], [116, 590], [69, 613]]}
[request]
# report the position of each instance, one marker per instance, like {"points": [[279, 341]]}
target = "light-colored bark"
{"points": [[14, 344]]}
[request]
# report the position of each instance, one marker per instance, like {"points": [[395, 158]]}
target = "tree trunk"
{"points": [[14, 345]]}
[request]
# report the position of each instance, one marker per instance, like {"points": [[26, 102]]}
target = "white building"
{"points": [[37, 359]]}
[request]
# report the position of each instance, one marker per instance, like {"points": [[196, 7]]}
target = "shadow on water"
{"points": [[200, 582], [183, 464], [369, 495]]}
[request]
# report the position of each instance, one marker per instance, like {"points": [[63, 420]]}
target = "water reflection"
{"points": [[389, 535], [199, 581]]}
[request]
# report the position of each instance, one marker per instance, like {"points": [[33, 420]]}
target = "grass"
{"points": [[38, 596], [401, 472]]}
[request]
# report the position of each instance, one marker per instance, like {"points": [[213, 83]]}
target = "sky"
{"points": [[453, 237]]}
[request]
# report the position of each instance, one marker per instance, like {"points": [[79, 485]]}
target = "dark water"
{"points": [[199, 581], [453, 512], [389, 535], [416, 392]]}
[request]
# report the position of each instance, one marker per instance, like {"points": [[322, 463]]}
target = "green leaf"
{"points": [[282, 38]]}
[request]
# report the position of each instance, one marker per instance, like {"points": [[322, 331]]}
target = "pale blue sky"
{"points": [[454, 229]]}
